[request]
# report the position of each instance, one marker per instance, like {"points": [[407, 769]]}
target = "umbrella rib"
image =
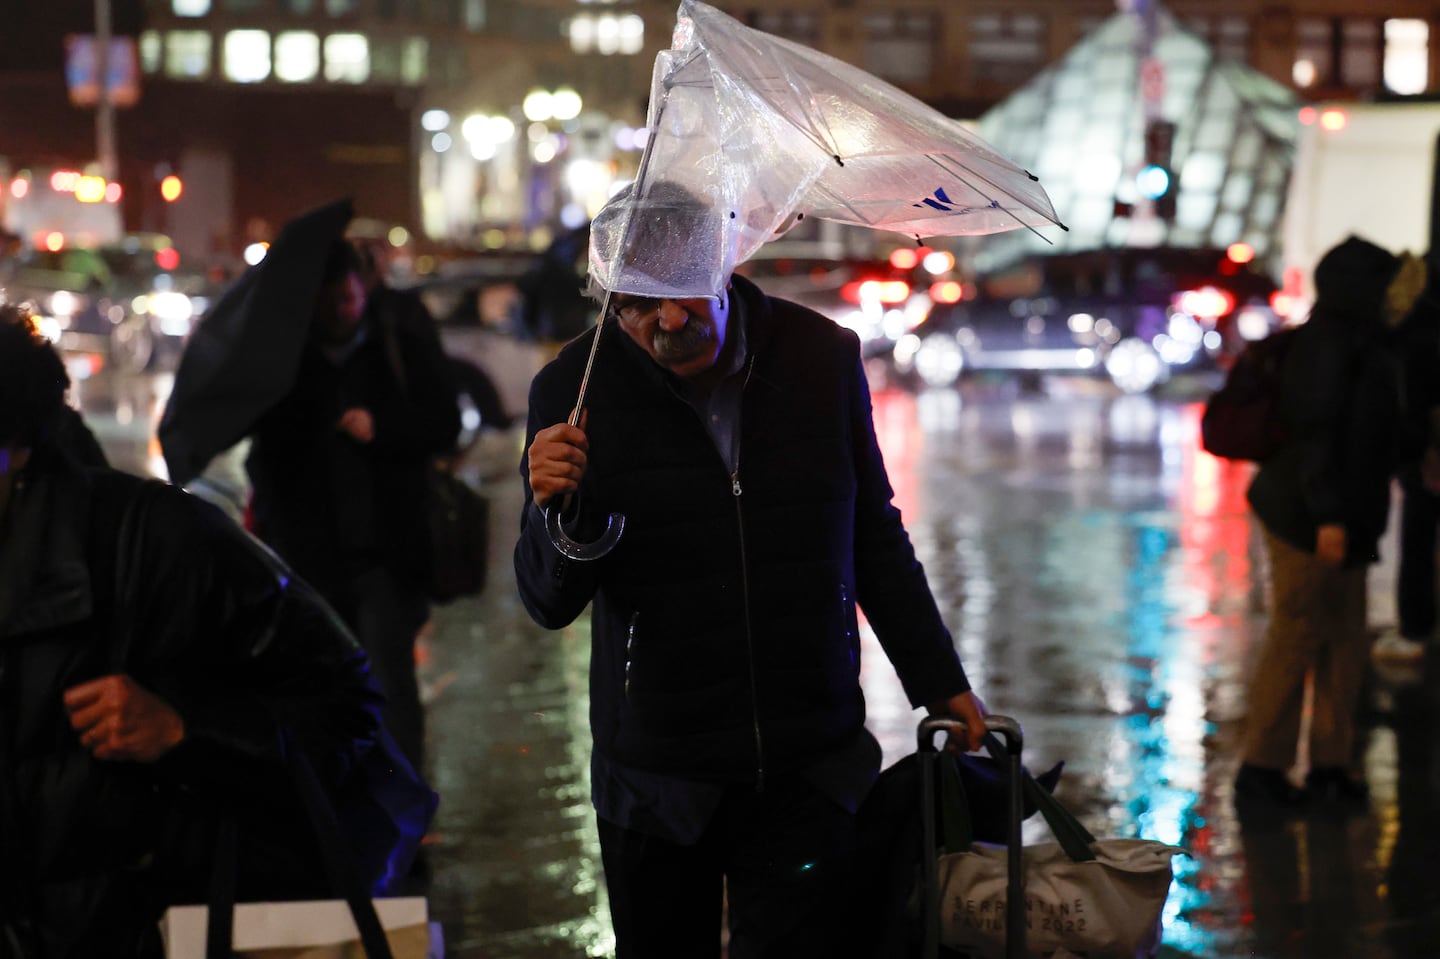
{"points": [[962, 174]]}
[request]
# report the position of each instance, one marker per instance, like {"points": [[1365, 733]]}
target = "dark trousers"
{"points": [[785, 859], [1415, 578], [386, 614]]}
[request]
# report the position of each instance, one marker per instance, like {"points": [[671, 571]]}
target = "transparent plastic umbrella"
{"points": [[748, 134]]}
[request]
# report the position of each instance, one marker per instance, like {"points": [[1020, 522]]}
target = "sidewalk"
{"points": [[515, 863]]}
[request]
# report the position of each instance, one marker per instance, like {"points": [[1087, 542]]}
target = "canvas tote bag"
{"points": [[1098, 898]]}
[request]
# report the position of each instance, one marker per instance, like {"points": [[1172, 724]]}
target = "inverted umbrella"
{"points": [[243, 358], [749, 133]]}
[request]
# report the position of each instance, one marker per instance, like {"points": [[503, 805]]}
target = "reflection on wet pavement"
{"points": [[1104, 581]]}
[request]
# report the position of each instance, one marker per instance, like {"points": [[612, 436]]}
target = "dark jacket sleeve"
{"points": [[426, 420], [554, 589], [249, 656], [890, 582]]}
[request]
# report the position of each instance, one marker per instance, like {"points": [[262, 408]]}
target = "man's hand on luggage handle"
{"points": [[118, 719], [968, 707]]}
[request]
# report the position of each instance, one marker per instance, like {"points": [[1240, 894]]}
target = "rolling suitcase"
{"points": [[1014, 743]]}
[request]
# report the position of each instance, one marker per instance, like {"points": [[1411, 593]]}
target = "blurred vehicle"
{"points": [[1389, 147], [128, 301], [876, 299], [1134, 315]]}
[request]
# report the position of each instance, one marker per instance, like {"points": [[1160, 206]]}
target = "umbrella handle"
{"points": [[576, 550]]}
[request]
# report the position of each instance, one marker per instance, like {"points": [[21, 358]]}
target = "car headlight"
{"points": [[173, 310], [63, 303]]}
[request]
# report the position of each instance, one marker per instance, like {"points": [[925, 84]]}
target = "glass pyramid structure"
{"points": [[1080, 127]]}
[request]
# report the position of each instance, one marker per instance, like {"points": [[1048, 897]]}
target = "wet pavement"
{"points": [[1103, 579]]}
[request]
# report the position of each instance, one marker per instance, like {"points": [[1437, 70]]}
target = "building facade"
{"points": [[491, 122]]}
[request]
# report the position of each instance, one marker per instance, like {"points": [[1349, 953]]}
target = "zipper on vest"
{"points": [[630, 651], [736, 490]]}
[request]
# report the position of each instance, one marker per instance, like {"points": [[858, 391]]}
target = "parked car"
{"points": [[1134, 315], [129, 302]]}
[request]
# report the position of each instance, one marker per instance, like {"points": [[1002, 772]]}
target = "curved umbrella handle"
{"points": [[584, 552]]}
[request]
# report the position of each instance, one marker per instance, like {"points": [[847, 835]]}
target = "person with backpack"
{"points": [[1323, 500]]}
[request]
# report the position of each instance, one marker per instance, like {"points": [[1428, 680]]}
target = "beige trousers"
{"points": [[1317, 629]]}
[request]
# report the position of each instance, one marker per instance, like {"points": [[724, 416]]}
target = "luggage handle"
{"points": [[1013, 745]]}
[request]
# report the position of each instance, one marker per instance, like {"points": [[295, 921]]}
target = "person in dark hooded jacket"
{"points": [[1323, 502], [156, 667]]}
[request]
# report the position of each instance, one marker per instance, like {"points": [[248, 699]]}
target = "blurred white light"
{"points": [[502, 129], [441, 142], [434, 120], [64, 303], [544, 151], [565, 104], [938, 261], [297, 56], [1213, 340], [642, 137], [255, 252], [536, 132], [1303, 73], [538, 106], [482, 149], [624, 138], [1081, 322], [632, 34], [174, 310], [247, 55], [1253, 324], [476, 128], [1407, 58]]}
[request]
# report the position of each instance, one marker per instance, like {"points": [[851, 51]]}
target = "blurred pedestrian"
{"points": [[1399, 652], [153, 658], [1323, 502], [555, 308], [339, 467], [734, 432]]}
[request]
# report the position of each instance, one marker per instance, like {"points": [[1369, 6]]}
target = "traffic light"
{"points": [[1156, 180]]}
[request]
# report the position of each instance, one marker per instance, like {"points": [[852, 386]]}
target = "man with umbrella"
{"points": [[734, 433]]}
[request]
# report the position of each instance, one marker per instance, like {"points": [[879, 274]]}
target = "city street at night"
{"points": [[1103, 581]]}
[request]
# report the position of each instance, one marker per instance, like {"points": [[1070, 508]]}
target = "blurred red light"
{"points": [[904, 258], [168, 258], [1308, 115], [1282, 303], [1207, 303]]}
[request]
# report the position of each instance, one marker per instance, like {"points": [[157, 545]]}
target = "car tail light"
{"points": [[887, 292], [1206, 303], [1282, 303], [947, 291]]}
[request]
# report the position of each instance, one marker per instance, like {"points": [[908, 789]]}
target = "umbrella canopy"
{"points": [[761, 131], [244, 356]]}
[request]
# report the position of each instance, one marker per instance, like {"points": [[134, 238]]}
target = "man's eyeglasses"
{"points": [[637, 310]]}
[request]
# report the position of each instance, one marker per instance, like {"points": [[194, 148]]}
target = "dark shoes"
{"points": [[1265, 791], [1334, 785]]}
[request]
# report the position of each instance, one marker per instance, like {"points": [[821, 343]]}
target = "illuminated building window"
{"points": [[794, 25], [347, 58], [415, 60], [1313, 53], [1229, 37], [1407, 55], [298, 7], [187, 54], [1006, 48], [190, 8], [473, 14], [399, 60], [900, 45], [1360, 53], [606, 34], [297, 56], [247, 56], [341, 8], [1340, 51], [152, 51]]}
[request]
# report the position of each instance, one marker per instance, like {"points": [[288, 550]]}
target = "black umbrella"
{"points": [[243, 357]]}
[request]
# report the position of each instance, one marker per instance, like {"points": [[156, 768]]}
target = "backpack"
{"points": [[1242, 419]]}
